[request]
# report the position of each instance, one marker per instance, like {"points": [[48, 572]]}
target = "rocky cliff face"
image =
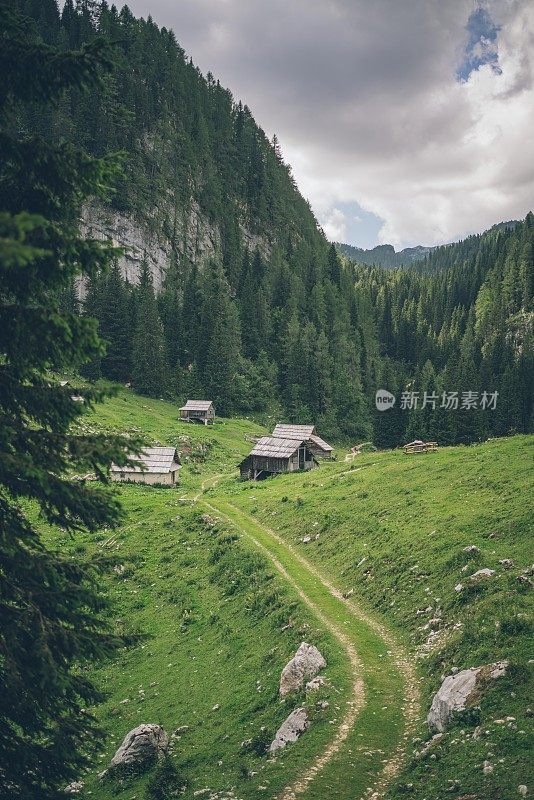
{"points": [[187, 234], [154, 240]]}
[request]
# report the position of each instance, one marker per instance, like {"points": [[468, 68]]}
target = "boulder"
{"points": [[471, 548], [482, 573], [460, 691], [304, 665], [75, 787], [315, 683], [140, 748], [290, 729]]}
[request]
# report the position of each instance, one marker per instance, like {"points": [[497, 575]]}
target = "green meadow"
{"points": [[214, 589]]}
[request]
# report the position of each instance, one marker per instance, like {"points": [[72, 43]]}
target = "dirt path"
{"points": [[253, 530]]}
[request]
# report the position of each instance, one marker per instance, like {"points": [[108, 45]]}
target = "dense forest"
{"points": [[276, 320]]}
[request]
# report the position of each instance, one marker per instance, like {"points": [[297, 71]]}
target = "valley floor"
{"points": [[227, 578]]}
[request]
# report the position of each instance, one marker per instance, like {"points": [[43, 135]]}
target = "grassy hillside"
{"points": [[217, 626], [220, 623], [393, 529]]}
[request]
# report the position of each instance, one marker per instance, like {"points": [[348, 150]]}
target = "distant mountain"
{"points": [[383, 255]]}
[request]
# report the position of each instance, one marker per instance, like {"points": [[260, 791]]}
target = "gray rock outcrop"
{"points": [[140, 748], [304, 665], [290, 730], [460, 691]]}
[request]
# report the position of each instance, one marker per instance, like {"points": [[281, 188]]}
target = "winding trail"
{"points": [[358, 633]]}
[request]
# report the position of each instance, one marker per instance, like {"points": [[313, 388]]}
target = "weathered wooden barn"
{"points": [[272, 455], [201, 411], [318, 446], [154, 465]]}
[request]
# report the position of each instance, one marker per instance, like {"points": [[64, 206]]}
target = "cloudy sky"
{"points": [[405, 121]]}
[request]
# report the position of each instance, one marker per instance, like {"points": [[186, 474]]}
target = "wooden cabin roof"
{"points": [[301, 432], [160, 460], [286, 431], [276, 447], [321, 443], [197, 405]]}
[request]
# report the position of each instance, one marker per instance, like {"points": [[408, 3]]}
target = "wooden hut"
{"points": [[201, 411], [154, 465], [418, 446], [318, 446], [272, 455]]}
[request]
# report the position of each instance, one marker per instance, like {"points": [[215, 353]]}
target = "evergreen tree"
{"points": [[114, 326], [50, 623], [150, 372]]}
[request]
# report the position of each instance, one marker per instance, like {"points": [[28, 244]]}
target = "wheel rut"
{"points": [[252, 530]]}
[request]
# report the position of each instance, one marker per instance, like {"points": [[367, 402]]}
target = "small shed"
{"points": [[272, 455], [200, 411], [318, 446], [154, 465], [418, 446]]}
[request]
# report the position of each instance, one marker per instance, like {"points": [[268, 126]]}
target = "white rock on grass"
{"points": [[74, 788], [140, 748], [315, 683], [305, 664], [523, 790], [457, 692], [482, 573], [290, 730], [487, 768]]}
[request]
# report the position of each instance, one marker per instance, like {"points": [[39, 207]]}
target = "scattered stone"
{"points": [[348, 594], [523, 790], [119, 569], [306, 663], [315, 683], [460, 691], [507, 563], [306, 539], [216, 707], [181, 730], [482, 573], [290, 730], [487, 768], [458, 587], [430, 744], [208, 520], [74, 788], [471, 548], [141, 747]]}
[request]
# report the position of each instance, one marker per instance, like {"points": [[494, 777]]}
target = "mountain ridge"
{"points": [[385, 255]]}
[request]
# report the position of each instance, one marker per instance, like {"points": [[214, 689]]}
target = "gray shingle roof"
{"points": [[321, 443], [197, 405], [307, 432], [160, 460], [276, 447], [287, 431]]}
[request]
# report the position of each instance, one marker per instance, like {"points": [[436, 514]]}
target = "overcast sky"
{"points": [[405, 121]]}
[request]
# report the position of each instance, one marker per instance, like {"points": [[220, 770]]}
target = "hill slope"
{"points": [[392, 530]]}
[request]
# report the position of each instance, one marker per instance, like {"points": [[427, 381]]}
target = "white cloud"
{"points": [[366, 103], [334, 224]]}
